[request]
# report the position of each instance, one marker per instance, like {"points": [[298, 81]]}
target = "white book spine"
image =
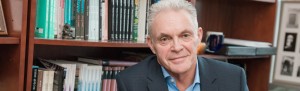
{"points": [[142, 20], [45, 80], [50, 80]]}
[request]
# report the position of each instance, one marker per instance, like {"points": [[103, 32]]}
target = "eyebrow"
{"points": [[187, 31], [167, 35]]}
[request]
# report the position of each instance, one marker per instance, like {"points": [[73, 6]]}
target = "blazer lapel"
{"points": [[155, 79], [207, 76]]}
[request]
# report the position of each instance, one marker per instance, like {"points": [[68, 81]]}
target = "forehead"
{"points": [[171, 21]]}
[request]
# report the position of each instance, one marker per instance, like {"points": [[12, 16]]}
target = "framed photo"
{"points": [[3, 29], [287, 63]]}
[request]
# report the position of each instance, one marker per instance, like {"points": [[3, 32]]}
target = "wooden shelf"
{"points": [[267, 1], [9, 40], [212, 56], [91, 43]]}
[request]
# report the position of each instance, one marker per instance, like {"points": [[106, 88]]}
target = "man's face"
{"points": [[174, 40]]}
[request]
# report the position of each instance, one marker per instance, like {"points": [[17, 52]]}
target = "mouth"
{"points": [[177, 59]]}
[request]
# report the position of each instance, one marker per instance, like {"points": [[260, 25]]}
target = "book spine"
{"points": [[34, 78], [110, 19], [124, 19], [78, 24], [61, 18], [128, 20], [104, 79], [45, 80], [82, 10], [96, 20], [100, 19], [116, 21], [43, 7], [131, 19], [87, 21], [50, 80], [40, 80], [51, 20], [104, 20], [136, 20], [58, 80], [109, 78], [113, 84], [142, 20], [67, 19]]}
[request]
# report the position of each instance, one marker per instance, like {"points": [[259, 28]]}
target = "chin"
{"points": [[180, 68]]}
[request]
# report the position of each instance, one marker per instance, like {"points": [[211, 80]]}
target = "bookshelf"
{"points": [[13, 45], [91, 43], [9, 40], [242, 19]]}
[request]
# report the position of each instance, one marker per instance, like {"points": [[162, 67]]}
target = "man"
{"points": [[289, 42], [174, 37]]}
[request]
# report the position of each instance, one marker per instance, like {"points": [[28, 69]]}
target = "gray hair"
{"points": [[174, 5]]}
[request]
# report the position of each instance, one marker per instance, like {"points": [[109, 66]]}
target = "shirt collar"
{"points": [[197, 75]]}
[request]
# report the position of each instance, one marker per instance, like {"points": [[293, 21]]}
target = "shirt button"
{"points": [[172, 80]]}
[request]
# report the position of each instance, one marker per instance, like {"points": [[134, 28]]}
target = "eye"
{"points": [[186, 36], [163, 39]]}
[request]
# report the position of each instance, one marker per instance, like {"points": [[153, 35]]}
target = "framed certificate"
{"points": [[3, 29]]}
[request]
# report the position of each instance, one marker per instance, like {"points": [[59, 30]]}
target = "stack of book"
{"points": [[81, 75], [238, 47]]}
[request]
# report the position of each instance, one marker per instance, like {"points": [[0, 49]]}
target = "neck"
{"points": [[184, 80]]}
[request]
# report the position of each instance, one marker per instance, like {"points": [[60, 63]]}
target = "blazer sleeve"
{"points": [[120, 84], [244, 86]]}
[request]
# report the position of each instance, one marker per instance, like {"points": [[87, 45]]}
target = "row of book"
{"points": [[92, 19], [63, 75]]}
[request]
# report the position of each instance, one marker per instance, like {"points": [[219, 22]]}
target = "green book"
{"points": [[51, 19], [135, 20], [42, 18]]}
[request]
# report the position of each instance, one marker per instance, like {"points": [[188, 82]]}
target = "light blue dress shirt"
{"points": [[172, 83]]}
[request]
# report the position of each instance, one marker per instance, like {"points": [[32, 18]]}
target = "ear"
{"points": [[150, 44], [200, 34]]}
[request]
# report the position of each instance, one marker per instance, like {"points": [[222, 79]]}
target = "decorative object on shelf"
{"points": [[214, 41], [288, 50], [67, 32], [3, 29]]}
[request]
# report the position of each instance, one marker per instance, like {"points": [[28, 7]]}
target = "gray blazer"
{"points": [[214, 76]]}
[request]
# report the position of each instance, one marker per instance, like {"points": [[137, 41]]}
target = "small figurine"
{"points": [[67, 32]]}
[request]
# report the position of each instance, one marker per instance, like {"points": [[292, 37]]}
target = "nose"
{"points": [[177, 46]]}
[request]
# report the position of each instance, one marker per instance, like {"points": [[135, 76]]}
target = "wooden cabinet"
{"points": [[13, 45], [242, 19]]}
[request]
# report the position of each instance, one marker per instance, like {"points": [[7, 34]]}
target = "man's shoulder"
{"points": [[139, 69], [220, 66]]}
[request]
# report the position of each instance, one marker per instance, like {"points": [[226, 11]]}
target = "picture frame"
{"points": [[287, 60], [3, 29]]}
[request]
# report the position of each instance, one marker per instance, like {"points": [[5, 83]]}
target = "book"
{"points": [[249, 43], [142, 20], [42, 19], [40, 80], [233, 50], [266, 51], [58, 76], [34, 78], [237, 50]]}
